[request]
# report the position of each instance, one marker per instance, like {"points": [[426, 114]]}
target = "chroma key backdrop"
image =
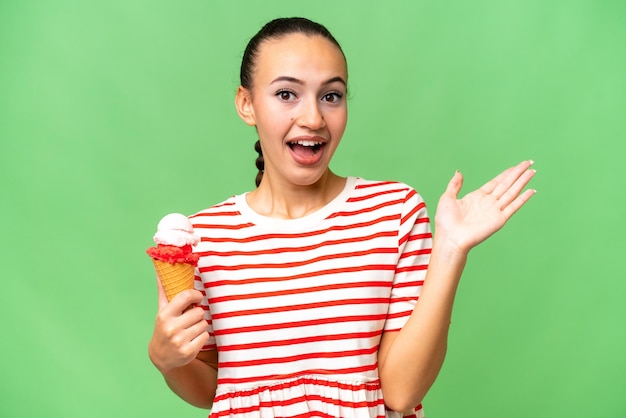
{"points": [[114, 113]]}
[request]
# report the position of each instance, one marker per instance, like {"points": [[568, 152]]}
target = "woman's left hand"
{"points": [[465, 223]]}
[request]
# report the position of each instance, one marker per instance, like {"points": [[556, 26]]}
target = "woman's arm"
{"points": [[410, 359], [179, 335], [196, 381]]}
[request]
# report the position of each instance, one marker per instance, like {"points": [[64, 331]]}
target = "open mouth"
{"points": [[306, 147]]}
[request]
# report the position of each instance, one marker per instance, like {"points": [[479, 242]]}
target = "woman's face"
{"points": [[298, 105]]}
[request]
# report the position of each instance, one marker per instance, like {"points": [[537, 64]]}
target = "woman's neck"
{"points": [[284, 200]]}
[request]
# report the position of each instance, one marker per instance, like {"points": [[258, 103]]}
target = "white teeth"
{"points": [[305, 143]]}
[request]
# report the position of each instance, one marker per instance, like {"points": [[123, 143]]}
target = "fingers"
{"points": [[518, 203], [186, 298], [192, 325], [504, 180], [181, 313], [454, 185], [491, 185], [177, 337], [516, 188], [197, 334], [509, 189], [509, 177]]}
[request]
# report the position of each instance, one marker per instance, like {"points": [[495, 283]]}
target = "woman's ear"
{"points": [[243, 103]]}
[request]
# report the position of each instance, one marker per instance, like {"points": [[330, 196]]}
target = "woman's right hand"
{"points": [[179, 333]]}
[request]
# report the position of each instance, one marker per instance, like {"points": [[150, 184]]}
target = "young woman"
{"points": [[319, 295]]}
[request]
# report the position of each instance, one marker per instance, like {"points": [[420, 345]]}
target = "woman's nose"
{"points": [[310, 116]]}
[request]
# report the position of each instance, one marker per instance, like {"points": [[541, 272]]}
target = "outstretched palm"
{"points": [[469, 221]]}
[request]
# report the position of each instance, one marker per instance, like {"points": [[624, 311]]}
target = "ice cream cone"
{"points": [[174, 277]]}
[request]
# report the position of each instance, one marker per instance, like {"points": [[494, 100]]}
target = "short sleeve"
{"points": [[414, 247]]}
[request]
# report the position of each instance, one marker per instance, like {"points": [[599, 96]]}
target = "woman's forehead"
{"points": [[300, 53]]}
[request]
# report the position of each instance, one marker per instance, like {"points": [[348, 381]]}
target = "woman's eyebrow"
{"points": [[298, 81], [335, 80]]}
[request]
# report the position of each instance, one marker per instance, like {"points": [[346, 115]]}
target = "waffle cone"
{"points": [[174, 277]]}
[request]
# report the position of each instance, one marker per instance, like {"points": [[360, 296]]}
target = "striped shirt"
{"points": [[296, 308]]}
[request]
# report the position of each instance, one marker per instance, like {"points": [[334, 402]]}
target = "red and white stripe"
{"points": [[296, 308]]}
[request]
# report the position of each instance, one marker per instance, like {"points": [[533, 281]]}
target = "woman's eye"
{"points": [[285, 95], [332, 97]]}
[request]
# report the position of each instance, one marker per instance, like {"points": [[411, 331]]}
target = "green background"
{"points": [[114, 113]]}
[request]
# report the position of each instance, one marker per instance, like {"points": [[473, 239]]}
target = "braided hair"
{"points": [[260, 163]]}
